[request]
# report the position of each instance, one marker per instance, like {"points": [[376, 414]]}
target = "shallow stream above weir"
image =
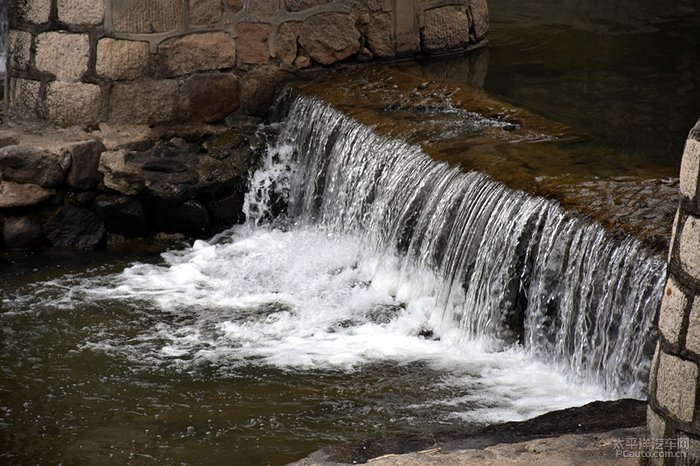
{"points": [[374, 288]]}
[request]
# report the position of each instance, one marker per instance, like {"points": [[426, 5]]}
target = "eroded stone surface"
{"points": [[30, 11], [380, 39], [263, 8], [690, 246], [23, 97], [19, 45], [22, 194], [22, 232], [122, 215], [253, 48], [690, 168], [479, 18], [299, 5], [63, 54], [206, 12], [81, 12], [285, 43], [70, 104], [27, 164], [157, 102], [445, 28], [259, 88], [692, 339], [330, 37], [121, 59], [676, 382], [85, 159], [151, 16], [198, 52], [672, 312], [210, 97], [75, 228]]}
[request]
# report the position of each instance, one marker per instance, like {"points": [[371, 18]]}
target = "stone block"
{"points": [[260, 87], [299, 5], [22, 232], [330, 37], [380, 37], [206, 12], [263, 8], [144, 102], [19, 45], [252, 43], [672, 312], [285, 43], [692, 338], [676, 383], [446, 28], [63, 54], [69, 104], [27, 164], [197, 52], [674, 233], [655, 424], [235, 5], [81, 12], [121, 59], [479, 19], [85, 160], [29, 11], [146, 17], [23, 97], [689, 247], [22, 194], [210, 97], [690, 168]]}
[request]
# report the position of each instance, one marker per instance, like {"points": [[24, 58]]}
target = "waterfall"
{"points": [[513, 269], [3, 36]]}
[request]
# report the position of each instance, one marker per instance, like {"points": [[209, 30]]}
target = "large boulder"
{"points": [[210, 97], [190, 218], [22, 232], [330, 37], [446, 28], [27, 164], [85, 160], [22, 194], [122, 215], [74, 228]]}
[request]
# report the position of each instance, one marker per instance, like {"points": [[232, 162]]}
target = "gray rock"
{"points": [[210, 97], [27, 164], [122, 215], [260, 87], [85, 160], [22, 232], [8, 138], [330, 37], [22, 194], [74, 228]]}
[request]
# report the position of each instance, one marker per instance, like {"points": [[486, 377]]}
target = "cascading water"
{"points": [[3, 36], [509, 267]]}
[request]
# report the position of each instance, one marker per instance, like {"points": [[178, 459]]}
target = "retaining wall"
{"points": [[81, 62]]}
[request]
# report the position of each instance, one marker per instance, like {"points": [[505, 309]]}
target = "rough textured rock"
{"points": [[63, 54], [122, 215], [479, 18], [122, 171], [23, 98], [197, 52], [253, 48], [27, 164], [74, 228], [22, 194], [8, 138], [330, 37], [676, 384], [299, 5], [380, 39], [285, 43], [446, 28], [692, 338], [210, 97], [260, 87], [190, 218], [30, 11], [121, 59], [690, 168], [81, 12], [227, 210], [206, 12], [139, 16], [69, 104], [22, 232], [19, 45], [235, 5], [85, 160], [672, 312], [263, 8], [689, 250], [157, 102]]}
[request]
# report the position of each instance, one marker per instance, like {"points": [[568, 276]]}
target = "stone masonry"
{"points": [[82, 62], [673, 414]]}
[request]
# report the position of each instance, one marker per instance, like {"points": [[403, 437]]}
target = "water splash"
{"points": [[512, 268]]}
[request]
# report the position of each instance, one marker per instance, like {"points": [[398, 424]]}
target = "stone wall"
{"points": [[673, 412], [81, 62]]}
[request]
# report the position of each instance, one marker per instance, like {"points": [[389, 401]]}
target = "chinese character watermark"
{"points": [[636, 447]]}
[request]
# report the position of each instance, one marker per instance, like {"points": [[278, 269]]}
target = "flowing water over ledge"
{"points": [[389, 292]]}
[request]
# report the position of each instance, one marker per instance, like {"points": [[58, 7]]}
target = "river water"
{"points": [[392, 294]]}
